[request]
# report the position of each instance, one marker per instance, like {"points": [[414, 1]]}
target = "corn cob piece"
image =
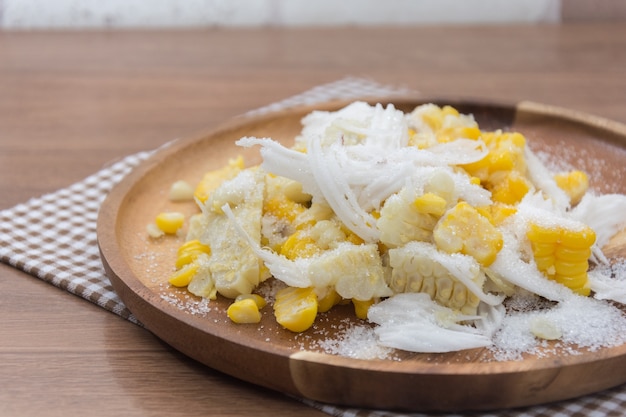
{"points": [[562, 254], [415, 269], [405, 217], [464, 230], [233, 268], [295, 308]]}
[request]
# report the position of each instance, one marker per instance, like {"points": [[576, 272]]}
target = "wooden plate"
{"points": [[272, 357]]}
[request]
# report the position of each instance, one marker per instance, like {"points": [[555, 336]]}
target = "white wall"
{"points": [[41, 14]]}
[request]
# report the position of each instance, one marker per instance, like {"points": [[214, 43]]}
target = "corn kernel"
{"points": [[361, 308], [508, 187], [170, 222], [214, 179], [574, 183], [298, 245], [183, 276], [430, 203], [258, 300], [283, 208], [181, 191], [244, 311], [331, 299], [464, 230], [189, 252], [295, 308]]}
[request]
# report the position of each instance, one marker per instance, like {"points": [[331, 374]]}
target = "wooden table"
{"points": [[72, 101]]}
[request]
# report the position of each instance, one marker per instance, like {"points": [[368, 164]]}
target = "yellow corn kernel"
{"points": [[244, 311], [574, 183], [578, 239], [508, 187], [430, 203], [170, 222], [331, 299], [283, 208], [189, 252], [497, 213], [258, 300], [354, 239], [182, 277], [449, 134], [464, 230], [434, 118], [361, 308], [295, 308], [213, 179], [506, 153], [562, 254], [299, 245]]}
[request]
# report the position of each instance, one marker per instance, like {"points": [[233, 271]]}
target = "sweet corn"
{"points": [[181, 191], [283, 208], [361, 308], [430, 203], [415, 270], [183, 276], [299, 245], [189, 252], [443, 124], [244, 311], [574, 183], [508, 187], [464, 230], [563, 254], [497, 213], [170, 222], [506, 153], [258, 300], [331, 299], [434, 116], [214, 179], [405, 218], [295, 308]]}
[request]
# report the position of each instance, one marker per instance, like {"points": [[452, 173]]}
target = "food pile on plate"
{"points": [[427, 224]]}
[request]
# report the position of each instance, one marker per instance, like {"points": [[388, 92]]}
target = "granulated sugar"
{"points": [[189, 304], [585, 324], [356, 341]]}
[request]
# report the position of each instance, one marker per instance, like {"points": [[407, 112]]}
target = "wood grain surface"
{"points": [[71, 102]]}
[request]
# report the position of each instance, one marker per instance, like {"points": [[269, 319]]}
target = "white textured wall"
{"points": [[38, 14]]}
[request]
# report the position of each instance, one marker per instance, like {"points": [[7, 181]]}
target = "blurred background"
{"points": [[112, 14]]}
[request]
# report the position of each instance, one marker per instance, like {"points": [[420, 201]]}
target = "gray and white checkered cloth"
{"points": [[53, 237]]}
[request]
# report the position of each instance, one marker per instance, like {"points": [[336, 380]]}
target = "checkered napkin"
{"points": [[53, 237]]}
